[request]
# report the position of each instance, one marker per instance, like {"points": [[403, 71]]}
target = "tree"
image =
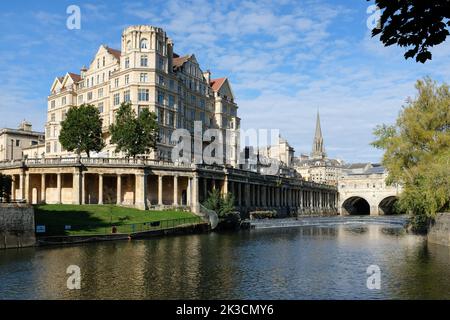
{"points": [[414, 24], [81, 131], [417, 152], [134, 134], [222, 205]]}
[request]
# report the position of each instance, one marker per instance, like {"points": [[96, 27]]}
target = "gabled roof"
{"points": [[114, 52], [216, 84], [75, 77], [179, 61]]}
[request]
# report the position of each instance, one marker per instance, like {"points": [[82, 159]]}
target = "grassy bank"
{"points": [[98, 219]]}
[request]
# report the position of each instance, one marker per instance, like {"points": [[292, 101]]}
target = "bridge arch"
{"points": [[355, 205], [386, 205]]}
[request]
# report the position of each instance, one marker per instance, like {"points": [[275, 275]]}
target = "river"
{"points": [[321, 261]]}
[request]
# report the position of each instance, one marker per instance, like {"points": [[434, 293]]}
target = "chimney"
{"points": [[25, 126], [207, 76]]}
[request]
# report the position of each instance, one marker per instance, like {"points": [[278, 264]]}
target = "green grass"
{"points": [[98, 219]]}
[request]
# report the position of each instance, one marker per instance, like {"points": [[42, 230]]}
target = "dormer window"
{"points": [[144, 44]]}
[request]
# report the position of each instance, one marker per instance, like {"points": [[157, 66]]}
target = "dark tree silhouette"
{"points": [[414, 24]]}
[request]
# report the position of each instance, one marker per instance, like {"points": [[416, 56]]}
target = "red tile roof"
{"points": [[75, 77], [217, 83], [114, 52], [179, 61]]}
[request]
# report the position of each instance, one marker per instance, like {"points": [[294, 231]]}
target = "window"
{"points": [[144, 44], [202, 103], [161, 116], [89, 96], [103, 77], [170, 119], [193, 100], [100, 107], [17, 143], [171, 84], [55, 146], [161, 80], [171, 101], [47, 147], [63, 101], [160, 98], [100, 93], [52, 104], [116, 99], [129, 44], [140, 108], [116, 82], [160, 63], [63, 115], [126, 96], [80, 99], [104, 60], [143, 95], [98, 63], [144, 61], [127, 63], [144, 77], [52, 117]]}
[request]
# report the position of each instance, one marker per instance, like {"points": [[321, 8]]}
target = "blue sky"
{"points": [[285, 59]]}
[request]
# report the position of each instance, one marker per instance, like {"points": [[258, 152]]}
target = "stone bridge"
{"points": [[366, 194]]}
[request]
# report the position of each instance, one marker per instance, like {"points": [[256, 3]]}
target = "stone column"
{"points": [[195, 206], [160, 190], [100, 188], [83, 188], [27, 188], [140, 187], [76, 199], [189, 192], [43, 188], [21, 186], [175, 190], [13, 188], [58, 187], [225, 185], [119, 190]]}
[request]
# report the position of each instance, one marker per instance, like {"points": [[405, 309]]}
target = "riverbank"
{"points": [[81, 220]]}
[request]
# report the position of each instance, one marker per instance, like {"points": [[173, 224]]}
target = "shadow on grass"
{"points": [[81, 222]]}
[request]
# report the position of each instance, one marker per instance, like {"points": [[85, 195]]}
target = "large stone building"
{"points": [[13, 142], [147, 73], [318, 167]]}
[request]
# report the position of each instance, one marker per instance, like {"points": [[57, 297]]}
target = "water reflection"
{"points": [[327, 262]]}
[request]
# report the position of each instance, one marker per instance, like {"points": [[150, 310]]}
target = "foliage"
{"points": [[134, 134], [222, 205], [81, 131], [417, 25], [263, 214], [5, 188], [417, 151]]}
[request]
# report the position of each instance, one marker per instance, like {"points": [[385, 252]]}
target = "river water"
{"points": [[321, 261]]}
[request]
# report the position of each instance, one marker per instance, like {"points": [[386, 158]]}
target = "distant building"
{"points": [[317, 167], [13, 142]]}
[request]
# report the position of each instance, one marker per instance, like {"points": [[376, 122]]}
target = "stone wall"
{"points": [[439, 232], [16, 226]]}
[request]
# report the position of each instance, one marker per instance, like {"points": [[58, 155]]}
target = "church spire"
{"points": [[318, 151]]}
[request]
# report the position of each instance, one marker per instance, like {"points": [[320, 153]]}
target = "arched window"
{"points": [[144, 44]]}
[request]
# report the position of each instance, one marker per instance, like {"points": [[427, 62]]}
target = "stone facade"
{"points": [[147, 184], [16, 226], [147, 73], [364, 191], [14, 142]]}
